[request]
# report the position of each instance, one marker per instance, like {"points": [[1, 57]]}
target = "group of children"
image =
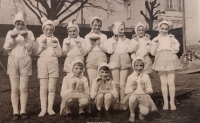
{"points": [[102, 89]]}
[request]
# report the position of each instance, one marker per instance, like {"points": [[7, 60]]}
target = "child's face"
{"points": [[140, 31], [96, 26], [164, 28], [103, 74], [48, 30], [19, 25], [121, 30], [72, 32], [138, 66], [77, 70]]}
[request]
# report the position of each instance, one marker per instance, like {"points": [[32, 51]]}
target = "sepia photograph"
{"points": [[99, 61]]}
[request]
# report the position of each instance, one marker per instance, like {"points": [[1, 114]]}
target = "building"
{"points": [[172, 8]]}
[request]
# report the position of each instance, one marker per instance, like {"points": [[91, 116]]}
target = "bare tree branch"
{"points": [[146, 18], [37, 8], [67, 8]]}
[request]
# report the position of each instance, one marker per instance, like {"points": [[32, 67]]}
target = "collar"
{"points": [[78, 37], [47, 36], [95, 33], [71, 75]]}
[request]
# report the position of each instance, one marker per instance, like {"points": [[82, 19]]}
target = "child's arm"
{"points": [[65, 46], [95, 88], [174, 44], [89, 46], [29, 39], [86, 86], [148, 43], [83, 47], [154, 46], [111, 45], [57, 50], [113, 90], [9, 41], [129, 86], [37, 49], [65, 89], [102, 44], [134, 45], [148, 86]]}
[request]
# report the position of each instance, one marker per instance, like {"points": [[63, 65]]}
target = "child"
{"points": [[103, 91], [74, 46], [48, 49], [18, 43], [96, 48], [138, 88], [74, 88], [164, 47], [142, 44], [119, 47]]}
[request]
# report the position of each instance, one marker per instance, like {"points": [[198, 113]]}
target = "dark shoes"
{"points": [[22, 116], [98, 116], [15, 117], [68, 117], [82, 115], [107, 115]]}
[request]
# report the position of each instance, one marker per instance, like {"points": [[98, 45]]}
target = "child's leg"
{"points": [[163, 79], [43, 96], [14, 81], [83, 102], [108, 98], [92, 74], [51, 95], [171, 78], [69, 104], [143, 111], [99, 101], [116, 76], [123, 77], [132, 106], [23, 92]]}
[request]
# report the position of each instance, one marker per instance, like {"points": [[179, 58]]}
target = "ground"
{"points": [[188, 111]]}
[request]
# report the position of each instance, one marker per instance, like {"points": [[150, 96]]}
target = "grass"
{"points": [[188, 111]]}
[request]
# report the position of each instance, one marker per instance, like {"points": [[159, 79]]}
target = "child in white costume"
{"points": [[74, 46], [120, 62], [164, 47], [74, 88], [19, 44], [142, 44], [103, 91], [96, 48], [137, 91], [48, 49]]}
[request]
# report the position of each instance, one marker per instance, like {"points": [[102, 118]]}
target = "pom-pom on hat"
{"points": [[45, 22], [138, 25], [19, 16], [73, 24], [169, 23], [115, 27]]}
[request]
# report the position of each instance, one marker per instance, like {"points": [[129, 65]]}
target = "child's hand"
{"points": [[134, 85], [23, 33], [28, 46], [99, 80], [67, 43], [143, 84], [12, 44], [74, 85], [44, 42], [114, 45], [78, 44], [14, 34], [54, 43], [92, 40]]}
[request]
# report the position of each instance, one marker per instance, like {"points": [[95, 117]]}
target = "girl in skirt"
{"points": [[137, 91], [142, 44], [164, 47]]}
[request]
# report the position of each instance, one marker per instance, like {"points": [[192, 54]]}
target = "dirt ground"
{"points": [[188, 111]]}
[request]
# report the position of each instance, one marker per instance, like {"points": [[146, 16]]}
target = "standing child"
{"points": [[142, 44], [74, 89], [164, 47], [19, 43], [119, 46], [74, 46], [48, 49], [96, 48], [103, 91], [138, 88]]}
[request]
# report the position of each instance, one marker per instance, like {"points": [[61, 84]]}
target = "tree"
{"points": [[150, 6], [63, 9]]}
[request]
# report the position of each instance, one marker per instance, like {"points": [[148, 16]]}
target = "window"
{"points": [[169, 4], [129, 11], [180, 5]]}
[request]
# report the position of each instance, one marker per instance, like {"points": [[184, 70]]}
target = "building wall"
{"points": [[192, 22], [175, 15]]}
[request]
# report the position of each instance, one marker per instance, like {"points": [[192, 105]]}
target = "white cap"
{"points": [[45, 22], [19, 16], [138, 25], [169, 23], [73, 24], [116, 27]]}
